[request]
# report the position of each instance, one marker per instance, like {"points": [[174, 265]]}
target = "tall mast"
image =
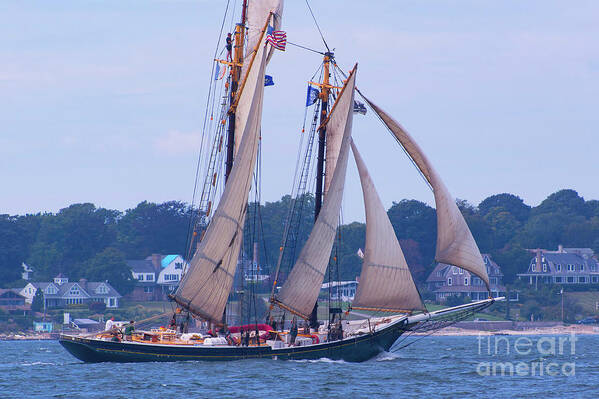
{"points": [[235, 76], [325, 92], [324, 97]]}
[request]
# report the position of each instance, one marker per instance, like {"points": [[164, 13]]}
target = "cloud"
{"points": [[175, 142]]}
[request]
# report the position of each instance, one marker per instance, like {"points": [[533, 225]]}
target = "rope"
{"points": [[318, 27], [305, 48]]}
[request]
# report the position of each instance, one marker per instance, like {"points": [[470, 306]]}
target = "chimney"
{"points": [[83, 283], [560, 248], [538, 260], [157, 262]]}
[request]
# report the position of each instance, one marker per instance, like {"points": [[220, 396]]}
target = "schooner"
{"points": [[386, 294]]}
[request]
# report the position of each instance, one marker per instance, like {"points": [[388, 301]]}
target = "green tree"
{"points": [[37, 305], [110, 265], [154, 228]]}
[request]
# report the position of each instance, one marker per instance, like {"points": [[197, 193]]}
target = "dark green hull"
{"points": [[356, 349]]}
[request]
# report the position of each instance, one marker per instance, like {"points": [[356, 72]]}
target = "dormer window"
{"points": [[178, 265], [581, 268], [150, 277], [558, 267], [461, 271], [449, 281], [465, 280], [455, 270], [102, 289]]}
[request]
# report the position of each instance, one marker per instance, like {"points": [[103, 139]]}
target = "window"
{"points": [[455, 270], [582, 279], [558, 279], [74, 291], [570, 267], [465, 280], [559, 267], [461, 271], [148, 290], [102, 289], [570, 279], [140, 277], [178, 265], [150, 277], [439, 273], [449, 281], [581, 268], [544, 267]]}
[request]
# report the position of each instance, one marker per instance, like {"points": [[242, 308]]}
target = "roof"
{"points": [[469, 288], [564, 258], [141, 266], [338, 284], [81, 322], [167, 260], [91, 289], [13, 290]]}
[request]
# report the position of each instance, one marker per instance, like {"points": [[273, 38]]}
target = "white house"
{"points": [[340, 290], [27, 271], [172, 268], [61, 292]]}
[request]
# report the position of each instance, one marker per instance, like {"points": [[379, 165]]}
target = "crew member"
{"points": [[229, 47], [129, 330]]}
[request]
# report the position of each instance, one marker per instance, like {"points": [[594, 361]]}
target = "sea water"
{"points": [[452, 367]]}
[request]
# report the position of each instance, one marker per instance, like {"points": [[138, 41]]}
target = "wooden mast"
{"points": [[237, 62], [325, 91]]}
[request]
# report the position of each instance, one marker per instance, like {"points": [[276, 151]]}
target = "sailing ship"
{"points": [[387, 297]]}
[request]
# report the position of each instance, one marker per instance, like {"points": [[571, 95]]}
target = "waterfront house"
{"points": [[344, 291], [11, 301], [144, 274], [156, 276], [61, 293], [564, 266], [447, 280], [172, 268]]}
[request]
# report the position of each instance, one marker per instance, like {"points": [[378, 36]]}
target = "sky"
{"points": [[103, 101]]}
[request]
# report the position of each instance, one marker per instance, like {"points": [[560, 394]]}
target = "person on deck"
{"points": [[293, 333], [109, 324], [173, 324], [129, 330], [229, 47]]}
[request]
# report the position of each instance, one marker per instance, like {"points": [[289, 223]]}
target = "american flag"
{"points": [[278, 39]]}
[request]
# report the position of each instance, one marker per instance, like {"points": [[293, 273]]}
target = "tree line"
{"points": [[83, 241]]}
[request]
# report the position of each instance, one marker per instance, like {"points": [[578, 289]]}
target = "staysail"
{"points": [[455, 244], [300, 291], [258, 11], [385, 282], [205, 287]]}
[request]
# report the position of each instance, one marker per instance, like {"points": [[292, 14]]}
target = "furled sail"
{"points": [[258, 11], [334, 137], [300, 291], [206, 285], [385, 282], [455, 244]]}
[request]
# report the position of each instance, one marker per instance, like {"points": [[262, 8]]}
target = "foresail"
{"points": [[206, 285], [455, 244], [385, 282], [257, 13], [300, 291], [334, 136]]}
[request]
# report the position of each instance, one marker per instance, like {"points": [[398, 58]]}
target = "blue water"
{"points": [[432, 367]]}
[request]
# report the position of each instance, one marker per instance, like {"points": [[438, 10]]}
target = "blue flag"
{"points": [[217, 71], [312, 96], [268, 80], [359, 107]]}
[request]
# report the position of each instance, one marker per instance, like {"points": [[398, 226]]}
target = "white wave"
{"points": [[321, 360], [38, 364], [386, 356]]}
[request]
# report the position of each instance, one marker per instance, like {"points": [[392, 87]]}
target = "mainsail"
{"points": [[258, 11], [455, 244], [300, 291], [206, 285], [385, 282]]}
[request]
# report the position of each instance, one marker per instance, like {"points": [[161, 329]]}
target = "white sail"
{"points": [[334, 136], [257, 13], [455, 244], [385, 282], [300, 291], [206, 285]]}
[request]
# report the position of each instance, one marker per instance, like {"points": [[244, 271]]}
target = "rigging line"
{"points": [[305, 48], [318, 27], [189, 228]]}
